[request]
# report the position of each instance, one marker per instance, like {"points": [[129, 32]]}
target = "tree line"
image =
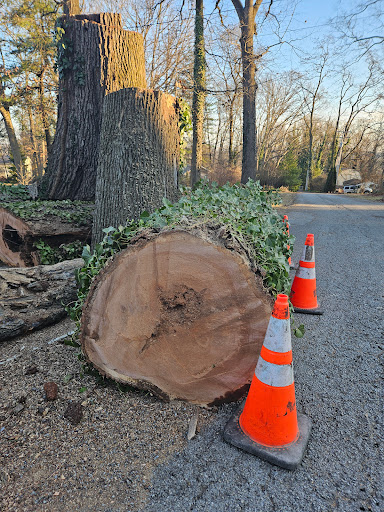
{"points": [[286, 127]]}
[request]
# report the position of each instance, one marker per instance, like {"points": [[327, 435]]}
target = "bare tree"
{"points": [[362, 27], [198, 94], [247, 16], [311, 97], [363, 100], [167, 30], [279, 107]]}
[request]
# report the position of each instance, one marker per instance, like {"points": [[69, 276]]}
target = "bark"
{"points": [[17, 236], [32, 138], [71, 7], [180, 313], [13, 142], [44, 116], [231, 153], [249, 101], [139, 156], [101, 58], [198, 95], [32, 298]]}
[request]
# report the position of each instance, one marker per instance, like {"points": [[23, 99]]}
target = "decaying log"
{"points": [[181, 313], [18, 236], [139, 156], [31, 298]]}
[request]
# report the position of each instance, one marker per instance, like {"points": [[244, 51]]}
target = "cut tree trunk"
{"points": [[98, 57], [18, 236], [139, 156], [32, 298], [180, 313]]}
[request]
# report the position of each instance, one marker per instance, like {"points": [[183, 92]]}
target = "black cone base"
{"points": [[288, 456], [314, 311]]}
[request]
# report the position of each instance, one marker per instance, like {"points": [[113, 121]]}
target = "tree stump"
{"points": [[18, 236], [95, 57], [180, 313], [139, 156], [31, 298]]}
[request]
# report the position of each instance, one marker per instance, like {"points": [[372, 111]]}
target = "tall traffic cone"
{"points": [[286, 224], [269, 425], [303, 294]]}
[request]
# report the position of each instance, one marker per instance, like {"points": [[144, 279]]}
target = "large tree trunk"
{"points": [[198, 95], [18, 236], [32, 298], [180, 313], [98, 57], [139, 156]]}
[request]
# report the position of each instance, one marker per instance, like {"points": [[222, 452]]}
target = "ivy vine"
{"points": [[246, 212]]}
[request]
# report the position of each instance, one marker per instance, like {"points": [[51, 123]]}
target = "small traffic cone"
{"points": [[286, 223], [303, 294], [269, 426]]}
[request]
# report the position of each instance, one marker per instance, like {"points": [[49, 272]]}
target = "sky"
{"points": [[309, 21], [306, 27]]}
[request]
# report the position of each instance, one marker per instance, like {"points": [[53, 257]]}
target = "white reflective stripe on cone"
{"points": [[308, 253], [306, 273], [278, 335], [277, 375]]}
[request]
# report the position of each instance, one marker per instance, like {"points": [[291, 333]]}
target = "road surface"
{"points": [[130, 454], [338, 382]]}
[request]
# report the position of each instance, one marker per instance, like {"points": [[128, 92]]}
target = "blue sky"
{"points": [[309, 22], [305, 29]]}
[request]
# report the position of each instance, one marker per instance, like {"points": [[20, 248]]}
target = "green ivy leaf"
{"points": [[299, 331]]}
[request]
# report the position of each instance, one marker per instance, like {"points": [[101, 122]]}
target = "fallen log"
{"points": [[31, 298], [181, 313], [53, 226]]}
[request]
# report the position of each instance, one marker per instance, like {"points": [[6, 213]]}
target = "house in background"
{"points": [[348, 177]]}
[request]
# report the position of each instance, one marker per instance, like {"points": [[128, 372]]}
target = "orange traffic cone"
{"points": [[285, 220], [303, 291], [268, 425]]}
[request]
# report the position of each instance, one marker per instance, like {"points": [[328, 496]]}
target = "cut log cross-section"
{"points": [[179, 314], [18, 236]]}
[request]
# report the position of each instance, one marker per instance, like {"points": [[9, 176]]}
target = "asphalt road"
{"points": [[338, 381]]}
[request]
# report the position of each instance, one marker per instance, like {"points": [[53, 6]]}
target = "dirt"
{"points": [[94, 446]]}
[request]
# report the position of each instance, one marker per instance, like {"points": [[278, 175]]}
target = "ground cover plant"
{"points": [[50, 255], [73, 212], [13, 192], [245, 211]]}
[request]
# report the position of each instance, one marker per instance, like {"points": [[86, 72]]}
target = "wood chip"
{"points": [[192, 426]]}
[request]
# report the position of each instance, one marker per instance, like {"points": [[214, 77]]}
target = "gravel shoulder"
{"points": [[106, 461], [130, 451]]}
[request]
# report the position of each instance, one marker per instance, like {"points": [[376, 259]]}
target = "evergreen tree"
{"points": [[291, 172]]}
